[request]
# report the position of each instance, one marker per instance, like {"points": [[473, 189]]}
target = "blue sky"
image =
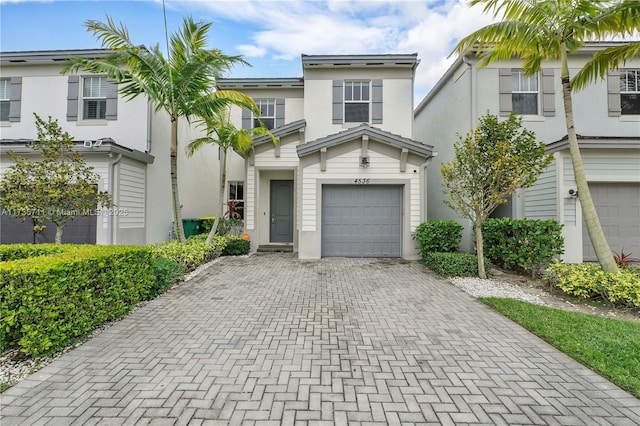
{"points": [[271, 35]]}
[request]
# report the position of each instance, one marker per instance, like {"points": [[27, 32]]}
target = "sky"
{"points": [[271, 35]]}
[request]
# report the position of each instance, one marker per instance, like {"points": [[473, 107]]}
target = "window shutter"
{"points": [[376, 101], [246, 119], [548, 93], [279, 112], [15, 95], [504, 81], [613, 93], [72, 98], [337, 111], [112, 100]]}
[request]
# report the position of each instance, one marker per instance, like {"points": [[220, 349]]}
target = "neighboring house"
{"points": [[125, 141], [607, 118], [347, 177]]}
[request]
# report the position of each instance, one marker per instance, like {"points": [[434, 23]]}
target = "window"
{"points": [[236, 199], [630, 91], [356, 101], [524, 93], [94, 98], [5, 101], [268, 113]]}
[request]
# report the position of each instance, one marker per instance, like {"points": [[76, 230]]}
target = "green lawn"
{"points": [[611, 347]]}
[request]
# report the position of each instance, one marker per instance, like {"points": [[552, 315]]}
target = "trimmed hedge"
{"points": [[589, 281], [455, 264], [46, 302], [167, 272], [438, 236], [236, 246], [24, 251], [193, 253], [524, 244]]}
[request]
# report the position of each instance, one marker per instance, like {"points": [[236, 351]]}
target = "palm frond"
{"points": [[602, 62]]}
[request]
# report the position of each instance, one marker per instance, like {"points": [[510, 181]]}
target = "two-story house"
{"points": [[607, 119], [125, 141], [347, 177]]}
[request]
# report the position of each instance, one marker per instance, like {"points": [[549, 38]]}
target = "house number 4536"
{"points": [[361, 181]]}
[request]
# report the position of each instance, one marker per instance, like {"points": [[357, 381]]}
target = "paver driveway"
{"points": [[270, 339]]}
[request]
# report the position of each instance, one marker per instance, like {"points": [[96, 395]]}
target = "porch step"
{"points": [[275, 249]]}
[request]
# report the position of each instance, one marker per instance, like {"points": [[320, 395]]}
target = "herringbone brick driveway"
{"points": [[269, 339]]}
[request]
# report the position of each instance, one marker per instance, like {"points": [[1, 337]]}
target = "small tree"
{"points": [[56, 188], [490, 163]]}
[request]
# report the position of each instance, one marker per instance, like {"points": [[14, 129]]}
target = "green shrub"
{"points": [[206, 223], [167, 272], [523, 244], [455, 264], [588, 280], [438, 236], [236, 246], [192, 253], [24, 251], [47, 301]]}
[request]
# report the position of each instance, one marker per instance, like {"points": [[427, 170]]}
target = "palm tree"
{"points": [[537, 30], [220, 131], [182, 84], [602, 62]]}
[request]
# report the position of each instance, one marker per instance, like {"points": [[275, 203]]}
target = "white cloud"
{"points": [[283, 30]]}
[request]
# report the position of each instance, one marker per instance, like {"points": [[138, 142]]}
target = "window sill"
{"points": [[630, 117], [354, 124], [5, 124], [91, 123], [533, 118]]}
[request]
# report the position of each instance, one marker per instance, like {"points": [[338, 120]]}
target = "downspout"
{"points": [[149, 127], [112, 185]]}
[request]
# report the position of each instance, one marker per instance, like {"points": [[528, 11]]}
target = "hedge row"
{"points": [[46, 302], [588, 280], [24, 251], [455, 264], [193, 253]]}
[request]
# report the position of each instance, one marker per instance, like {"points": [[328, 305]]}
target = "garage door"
{"points": [[80, 230], [362, 220], [618, 206]]}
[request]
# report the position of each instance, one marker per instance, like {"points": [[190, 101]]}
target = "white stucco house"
{"points": [[607, 118], [347, 176], [125, 141]]}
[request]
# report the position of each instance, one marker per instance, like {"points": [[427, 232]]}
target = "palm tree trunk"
{"points": [[598, 240], [223, 186], [480, 250], [177, 212]]}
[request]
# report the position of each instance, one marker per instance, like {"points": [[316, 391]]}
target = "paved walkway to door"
{"points": [[269, 339]]}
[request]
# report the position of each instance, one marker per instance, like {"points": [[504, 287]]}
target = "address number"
{"points": [[361, 181]]}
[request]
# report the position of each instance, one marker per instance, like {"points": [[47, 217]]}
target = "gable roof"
{"points": [[373, 132], [281, 131], [596, 142]]}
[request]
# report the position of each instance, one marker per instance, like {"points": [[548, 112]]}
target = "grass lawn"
{"points": [[608, 346]]}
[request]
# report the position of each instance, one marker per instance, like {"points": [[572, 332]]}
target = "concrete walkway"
{"points": [[269, 339]]}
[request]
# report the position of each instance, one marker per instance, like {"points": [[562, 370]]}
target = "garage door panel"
{"points": [[618, 207], [367, 223]]}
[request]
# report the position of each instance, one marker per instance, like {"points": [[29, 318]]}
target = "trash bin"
{"points": [[191, 226]]}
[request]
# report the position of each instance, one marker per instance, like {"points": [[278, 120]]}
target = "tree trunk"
{"points": [[223, 186], [598, 240], [480, 250], [59, 229], [177, 212]]}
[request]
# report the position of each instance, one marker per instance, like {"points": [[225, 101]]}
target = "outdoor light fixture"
{"points": [[364, 162]]}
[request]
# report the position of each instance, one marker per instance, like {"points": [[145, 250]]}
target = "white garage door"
{"points": [[618, 206], [362, 220]]}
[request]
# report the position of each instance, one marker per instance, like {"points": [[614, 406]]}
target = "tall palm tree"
{"points": [[181, 84], [603, 61], [220, 131], [537, 30]]}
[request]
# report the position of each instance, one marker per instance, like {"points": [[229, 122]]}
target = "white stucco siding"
{"points": [[541, 199], [131, 197]]}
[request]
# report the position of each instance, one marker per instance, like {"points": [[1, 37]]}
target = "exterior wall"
{"points": [[131, 200], [448, 113], [343, 168], [541, 200], [397, 103]]}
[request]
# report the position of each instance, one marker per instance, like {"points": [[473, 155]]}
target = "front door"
{"points": [[281, 211]]}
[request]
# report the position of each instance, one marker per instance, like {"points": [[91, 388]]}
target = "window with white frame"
{"points": [[235, 205], [525, 93], [356, 101], [268, 113], [5, 101], [94, 98], [630, 91]]}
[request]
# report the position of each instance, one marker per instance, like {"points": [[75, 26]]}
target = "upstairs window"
{"points": [[267, 111], [5, 101], [524, 93], [356, 101], [94, 98], [630, 91]]}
